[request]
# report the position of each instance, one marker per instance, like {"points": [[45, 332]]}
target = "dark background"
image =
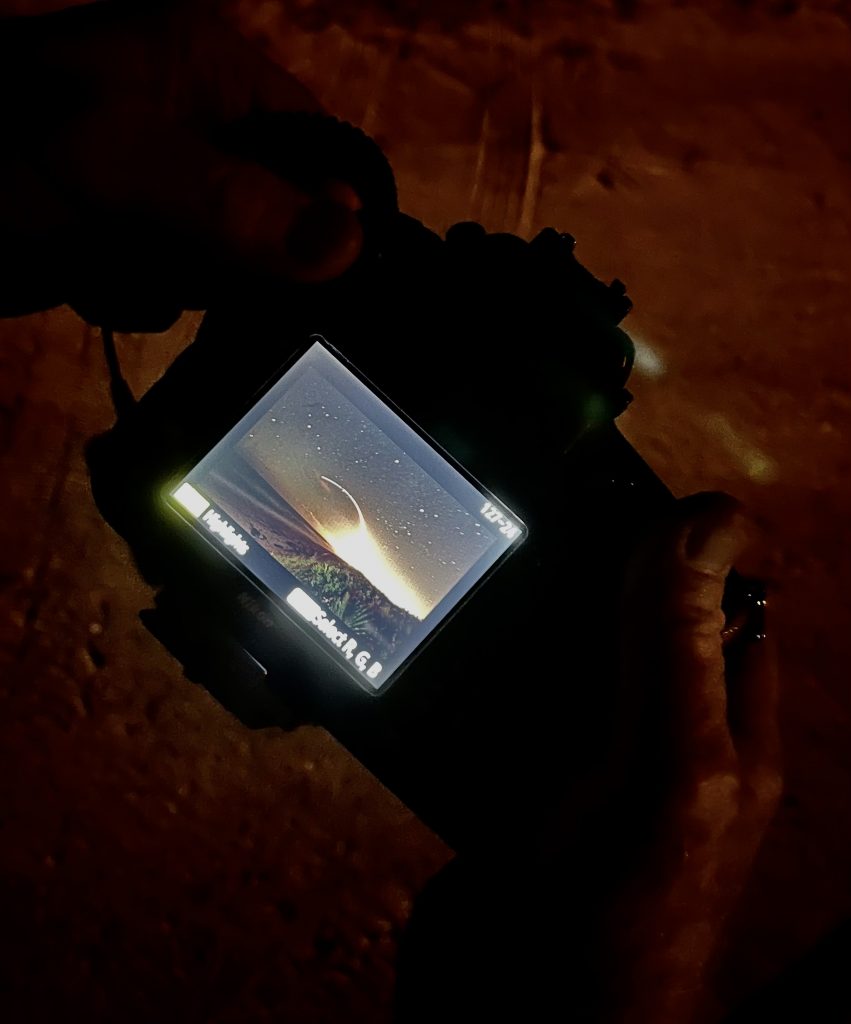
{"points": [[161, 862]]}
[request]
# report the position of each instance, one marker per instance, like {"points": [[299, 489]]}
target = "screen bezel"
{"points": [[288, 616]]}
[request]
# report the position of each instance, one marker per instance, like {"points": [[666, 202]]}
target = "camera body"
{"points": [[508, 356]]}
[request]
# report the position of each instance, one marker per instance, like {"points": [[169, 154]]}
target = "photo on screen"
{"points": [[375, 525]]}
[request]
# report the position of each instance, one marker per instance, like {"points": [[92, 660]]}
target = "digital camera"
{"points": [[397, 503]]}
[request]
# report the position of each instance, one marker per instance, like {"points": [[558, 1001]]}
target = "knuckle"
{"points": [[714, 797], [768, 786], [697, 628]]}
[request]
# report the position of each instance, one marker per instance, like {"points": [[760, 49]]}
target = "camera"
{"points": [[397, 503]]}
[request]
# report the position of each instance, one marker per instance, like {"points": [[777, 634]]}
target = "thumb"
{"points": [[214, 207], [269, 225], [673, 660]]}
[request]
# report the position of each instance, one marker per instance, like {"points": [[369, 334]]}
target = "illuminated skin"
{"points": [[646, 858]]}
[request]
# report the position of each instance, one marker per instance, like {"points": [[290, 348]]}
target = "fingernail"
{"points": [[714, 540], [317, 231], [343, 193]]}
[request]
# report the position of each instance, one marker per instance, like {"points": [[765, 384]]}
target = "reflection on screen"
{"points": [[361, 529]]}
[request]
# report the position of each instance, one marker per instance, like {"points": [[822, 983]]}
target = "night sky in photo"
{"points": [[314, 445]]}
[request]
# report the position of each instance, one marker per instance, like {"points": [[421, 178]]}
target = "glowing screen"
{"points": [[360, 529]]}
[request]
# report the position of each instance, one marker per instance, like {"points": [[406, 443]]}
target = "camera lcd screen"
{"points": [[355, 524]]}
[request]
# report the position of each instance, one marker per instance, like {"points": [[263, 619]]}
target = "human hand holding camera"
{"points": [[116, 197], [118, 201], [704, 779], [617, 905]]}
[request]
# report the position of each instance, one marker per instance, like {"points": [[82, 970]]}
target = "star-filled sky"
{"points": [[329, 461]]}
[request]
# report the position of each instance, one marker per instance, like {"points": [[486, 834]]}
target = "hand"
{"points": [[700, 754], [113, 194], [614, 911]]}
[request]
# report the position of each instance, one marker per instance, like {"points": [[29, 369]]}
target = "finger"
{"points": [[236, 83], [52, 256], [208, 206], [226, 77], [753, 700], [272, 89], [673, 620]]}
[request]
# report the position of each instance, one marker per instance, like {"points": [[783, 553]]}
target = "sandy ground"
{"points": [[159, 861]]}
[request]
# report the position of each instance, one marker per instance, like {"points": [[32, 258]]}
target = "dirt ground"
{"points": [[161, 862]]}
